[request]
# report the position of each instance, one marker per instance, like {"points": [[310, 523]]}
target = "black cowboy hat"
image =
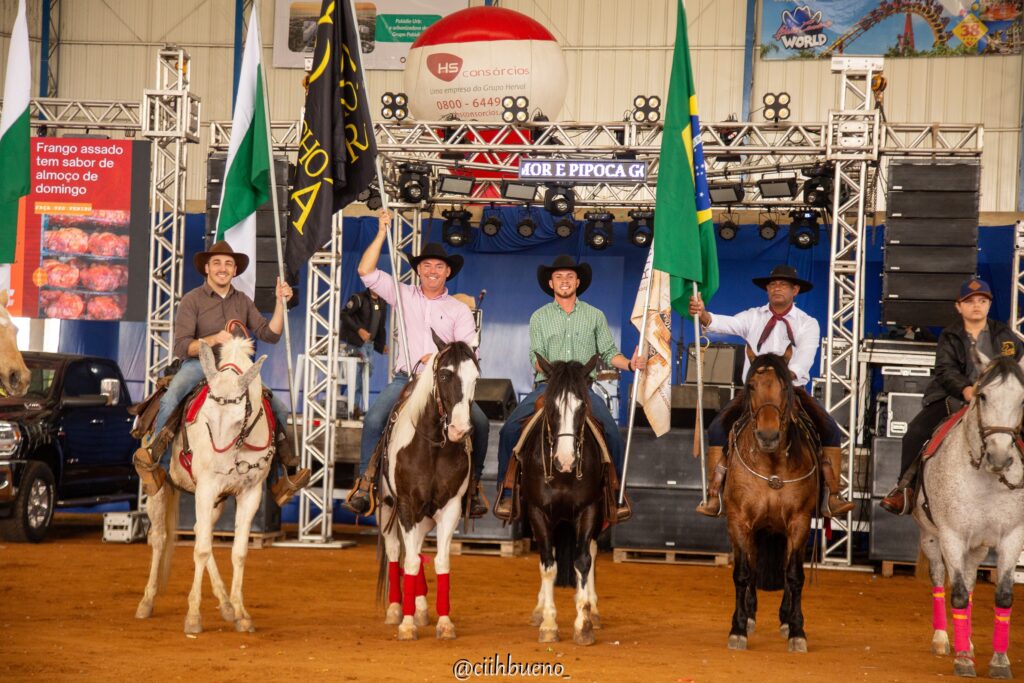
{"points": [[784, 272], [564, 262], [221, 248], [436, 251]]}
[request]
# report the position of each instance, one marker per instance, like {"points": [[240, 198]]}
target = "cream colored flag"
{"points": [[655, 389]]}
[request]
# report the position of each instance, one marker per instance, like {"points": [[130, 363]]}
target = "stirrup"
{"points": [[503, 508], [369, 493], [706, 511], [843, 505], [284, 488]]}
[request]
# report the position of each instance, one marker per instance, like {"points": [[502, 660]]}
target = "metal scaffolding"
{"points": [[1016, 318]]}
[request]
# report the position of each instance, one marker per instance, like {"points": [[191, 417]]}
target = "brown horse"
{"points": [[14, 375], [770, 497]]}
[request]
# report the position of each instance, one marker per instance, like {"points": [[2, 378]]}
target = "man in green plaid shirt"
{"points": [[563, 330]]}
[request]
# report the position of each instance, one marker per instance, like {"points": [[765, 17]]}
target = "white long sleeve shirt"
{"points": [[749, 325]]}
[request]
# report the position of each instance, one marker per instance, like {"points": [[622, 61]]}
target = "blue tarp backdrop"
{"points": [[505, 265]]}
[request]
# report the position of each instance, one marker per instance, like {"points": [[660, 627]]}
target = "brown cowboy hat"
{"points": [[221, 248], [564, 262], [784, 272], [436, 251]]}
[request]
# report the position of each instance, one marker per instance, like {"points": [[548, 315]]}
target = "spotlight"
{"points": [[728, 136], [641, 227], [646, 109], [819, 186], [455, 230], [491, 225], [776, 106], [515, 109], [394, 106], [783, 187], [455, 184], [804, 231], [372, 198], [726, 193], [727, 229], [520, 192], [413, 182], [599, 229], [768, 229], [564, 227], [559, 200], [526, 227]]}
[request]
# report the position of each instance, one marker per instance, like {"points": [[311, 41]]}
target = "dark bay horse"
{"points": [[770, 496], [563, 493], [424, 475]]}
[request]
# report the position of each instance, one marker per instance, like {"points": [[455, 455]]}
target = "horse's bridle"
{"points": [[239, 441], [985, 432], [577, 445]]}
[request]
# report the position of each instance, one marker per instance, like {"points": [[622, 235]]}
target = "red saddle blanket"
{"points": [[939, 435]]}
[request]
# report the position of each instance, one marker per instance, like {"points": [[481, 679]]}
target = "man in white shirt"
{"points": [[772, 328]]}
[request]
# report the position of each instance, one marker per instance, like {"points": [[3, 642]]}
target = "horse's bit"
{"points": [[985, 432]]}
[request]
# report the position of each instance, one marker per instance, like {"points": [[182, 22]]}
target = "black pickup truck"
{"points": [[66, 443]]}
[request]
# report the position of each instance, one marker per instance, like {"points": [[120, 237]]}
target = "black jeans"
{"points": [[919, 431]]}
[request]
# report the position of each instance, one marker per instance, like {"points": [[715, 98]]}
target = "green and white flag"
{"points": [[14, 135], [247, 174]]}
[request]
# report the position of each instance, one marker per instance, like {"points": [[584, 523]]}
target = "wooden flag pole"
{"points": [[637, 377], [399, 310], [699, 426]]}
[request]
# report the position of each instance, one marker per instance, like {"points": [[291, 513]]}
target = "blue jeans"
{"points": [[366, 353], [513, 428], [717, 436], [377, 418]]}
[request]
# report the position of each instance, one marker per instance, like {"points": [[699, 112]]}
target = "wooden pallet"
{"points": [[889, 568], [257, 539], [483, 546], [672, 556]]}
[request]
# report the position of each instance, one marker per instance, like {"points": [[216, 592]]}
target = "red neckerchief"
{"points": [[776, 317]]}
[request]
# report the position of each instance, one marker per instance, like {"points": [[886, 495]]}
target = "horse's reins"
{"points": [[785, 419]]}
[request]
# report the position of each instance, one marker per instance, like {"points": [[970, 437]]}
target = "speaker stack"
{"points": [[266, 249], [931, 240]]}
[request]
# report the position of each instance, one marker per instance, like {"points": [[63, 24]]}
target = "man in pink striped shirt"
{"points": [[426, 307]]}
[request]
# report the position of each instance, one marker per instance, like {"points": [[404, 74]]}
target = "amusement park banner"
{"points": [[893, 28], [386, 29], [82, 249]]}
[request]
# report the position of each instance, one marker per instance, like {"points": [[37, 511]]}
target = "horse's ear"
{"points": [[788, 354], [750, 354], [252, 373], [982, 358], [544, 366], [207, 361], [591, 364], [437, 340]]}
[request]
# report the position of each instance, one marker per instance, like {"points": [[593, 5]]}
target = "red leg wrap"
{"points": [[394, 582], [421, 579], [961, 630], [443, 601], [408, 595], [1001, 630], [939, 608]]}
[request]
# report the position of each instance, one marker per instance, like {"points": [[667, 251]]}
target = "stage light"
{"points": [[598, 232], [414, 182], [455, 230], [804, 231], [776, 106], [646, 109], [641, 227], [515, 109], [394, 106], [491, 225], [726, 193], [820, 185], [781, 187], [768, 229], [727, 230], [520, 192], [371, 197], [559, 200], [455, 184], [526, 227], [565, 227]]}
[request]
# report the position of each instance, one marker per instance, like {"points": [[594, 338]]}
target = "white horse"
{"points": [[14, 375], [229, 447], [971, 500]]}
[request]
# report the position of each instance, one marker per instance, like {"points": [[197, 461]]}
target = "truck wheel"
{"points": [[33, 508]]}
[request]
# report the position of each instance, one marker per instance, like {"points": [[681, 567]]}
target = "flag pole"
{"points": [[699, 426], [399, 310], [637, 377]]}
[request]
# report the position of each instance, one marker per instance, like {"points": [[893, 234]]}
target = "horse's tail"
{"points": [[771, 560], [171, 499], [565, 555]]}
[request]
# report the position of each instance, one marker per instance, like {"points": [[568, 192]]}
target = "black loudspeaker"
{"points": [[918, 259], [267, 518], [905, 379], [842, 415], [723, 364], [496, 397], [933, 204], [665, 518], [923, 286], [897, 312], [945, 232], [664, 462], [885, 464], [893, 537], [934, 177]]}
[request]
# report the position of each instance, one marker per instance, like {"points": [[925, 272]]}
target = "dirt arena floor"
{"points": [[67, 606]]}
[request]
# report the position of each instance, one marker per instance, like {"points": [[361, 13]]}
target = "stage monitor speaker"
{"points": [[934, 177], [664, 519], [917, 313], [496, 397], [932, 205], [930, 259], [886, 453], [936, 232], [923, 286], [723, 364], [663, 462], [268, 515]]}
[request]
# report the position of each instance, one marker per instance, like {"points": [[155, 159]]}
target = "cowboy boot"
{"points": [[620, 512], [147, 461], [716, 477], [477, 501], [900, 501], [360, 499], [285, 487], [283, 446], [831, 465], [503, 507]]}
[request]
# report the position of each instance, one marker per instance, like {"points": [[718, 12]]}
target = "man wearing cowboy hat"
{"points": [[426, 307], [564, 330], [202, 316], [772, 328]]}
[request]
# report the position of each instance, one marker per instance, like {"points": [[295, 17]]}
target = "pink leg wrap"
{"points": [[394, 582], [961, 630], [1001, 630], [408, 595], [970, 606], [939, 608], [443, 603]]}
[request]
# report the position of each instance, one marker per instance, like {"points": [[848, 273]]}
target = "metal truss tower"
{"points": [[1016, 318]]}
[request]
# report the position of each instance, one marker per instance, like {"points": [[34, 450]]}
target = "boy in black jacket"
{"points": [[363, 323]]}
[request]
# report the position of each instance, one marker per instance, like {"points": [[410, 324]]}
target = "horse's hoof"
{"points": [[784, 630], [584, 636], [227, 612], [445, 629], [999, 666], [407, 632], [244, 625], [964, 666], [394, 614], [537, 618], [737, 642], [940, 643], [750, 627], [548, 636], [193, 625], [421, 618], [144, 610], [595, 620], [797, 645]]}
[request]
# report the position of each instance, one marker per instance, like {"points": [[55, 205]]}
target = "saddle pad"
{"points": [[193, 407], [942, 432]]}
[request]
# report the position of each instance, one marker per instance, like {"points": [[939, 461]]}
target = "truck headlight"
{"points": [[10, 438]]}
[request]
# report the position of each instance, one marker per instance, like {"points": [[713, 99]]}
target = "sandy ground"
{"points": [[67, 606]]}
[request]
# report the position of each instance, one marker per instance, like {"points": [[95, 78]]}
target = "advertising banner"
{"points": [[892, 28]]}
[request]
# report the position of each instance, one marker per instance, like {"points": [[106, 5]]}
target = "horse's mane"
{"points": [[423, 383], [1000, 368], [566, 376], [235, 350]]}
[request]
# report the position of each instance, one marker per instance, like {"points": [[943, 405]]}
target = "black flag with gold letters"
{"points": [[336, 146]]}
